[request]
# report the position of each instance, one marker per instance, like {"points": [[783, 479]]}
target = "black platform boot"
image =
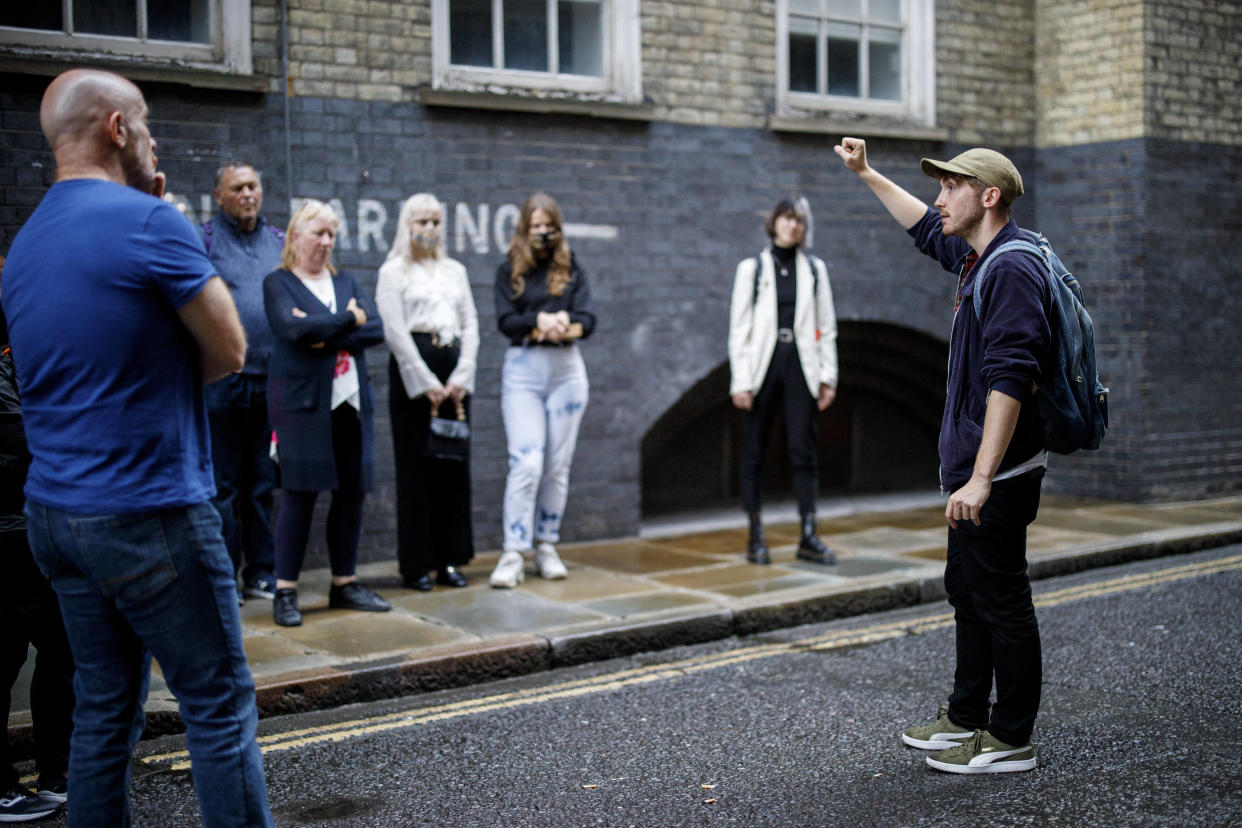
{"points": [[810, 547], [757, 547]]}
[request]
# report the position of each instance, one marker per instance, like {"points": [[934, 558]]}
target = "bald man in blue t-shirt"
{"points": [[116, 318]]}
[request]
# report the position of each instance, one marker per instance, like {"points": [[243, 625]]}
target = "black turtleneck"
{"points": [[784, 260]]}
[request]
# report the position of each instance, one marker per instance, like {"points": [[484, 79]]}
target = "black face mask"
{"points": [[543, 243]]}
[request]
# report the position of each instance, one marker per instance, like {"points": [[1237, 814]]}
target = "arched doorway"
{"points": [[879, 436]]}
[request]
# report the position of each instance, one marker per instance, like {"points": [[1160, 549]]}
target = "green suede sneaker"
{"points": [[941, 734], [984, 753]]}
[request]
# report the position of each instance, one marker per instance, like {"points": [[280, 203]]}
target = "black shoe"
{"points": [[18, 804], [285, 608], [756, 545], [450, 577], [810, 547], [422, 583], [53, 788], [354, 596]]}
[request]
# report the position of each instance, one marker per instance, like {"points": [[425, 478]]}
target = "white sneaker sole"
{"points": [[1000, 766], [938, 741]]}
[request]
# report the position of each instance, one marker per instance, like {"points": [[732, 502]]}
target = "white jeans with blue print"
{"points": [[543, 396]]}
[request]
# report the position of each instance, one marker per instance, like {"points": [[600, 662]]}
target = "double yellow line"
{"points": [[341, 731]]}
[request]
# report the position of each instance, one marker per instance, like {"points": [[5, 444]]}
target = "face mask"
{"points": [[544, 242], [427, 237]]}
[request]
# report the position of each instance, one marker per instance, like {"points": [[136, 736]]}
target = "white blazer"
{"points": [[752, 324]]}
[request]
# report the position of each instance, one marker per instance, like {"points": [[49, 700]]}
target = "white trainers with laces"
{"points": [[549, 563], [509, 570]]}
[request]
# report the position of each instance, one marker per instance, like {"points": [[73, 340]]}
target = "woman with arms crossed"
{"points": [[320, 402]]}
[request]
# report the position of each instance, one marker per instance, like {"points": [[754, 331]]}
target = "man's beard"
{"points": [[137, 175]]}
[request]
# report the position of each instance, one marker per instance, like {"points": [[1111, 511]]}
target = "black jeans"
{"points": [[30, 614], [784, 386], [997, 634], [241, 437]]}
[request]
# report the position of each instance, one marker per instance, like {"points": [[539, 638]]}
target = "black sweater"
{"points": [[517, 316]]}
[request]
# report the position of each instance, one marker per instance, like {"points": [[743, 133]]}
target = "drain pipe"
{"points": [[284, 72]]}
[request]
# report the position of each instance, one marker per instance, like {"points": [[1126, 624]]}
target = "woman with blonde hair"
{"points": [[432, 329], [320, 402], [543, 307]]}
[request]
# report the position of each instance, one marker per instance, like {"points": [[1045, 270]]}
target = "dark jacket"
{"points": [[1003, 350], [299, 379], [517, 316]]}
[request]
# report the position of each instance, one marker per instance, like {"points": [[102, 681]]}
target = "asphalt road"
{"points": [[1141, 724]]}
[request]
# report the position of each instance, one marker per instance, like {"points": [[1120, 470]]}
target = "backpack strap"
{"points": [[816, 264], [208, 229], [1015, 245], [754, 296]]}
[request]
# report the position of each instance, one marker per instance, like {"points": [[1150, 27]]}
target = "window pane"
{"points": [[809, 7], [802, 65], [849, 9], [884, 63], [184, 20], [581, 33], [526, 35], [470, 32], [884, 11], [32, 15], [843, 66], [106, 17]]}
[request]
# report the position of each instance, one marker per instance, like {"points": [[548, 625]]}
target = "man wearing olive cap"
{"points": [[992, 457]]}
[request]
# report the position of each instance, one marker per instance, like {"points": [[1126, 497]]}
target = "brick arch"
{"points": [[880, 435]]}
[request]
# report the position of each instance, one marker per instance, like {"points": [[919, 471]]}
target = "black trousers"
{"points": [[433, 495], [997, 634], [784, 387], [30, 614], [241, 437], [344, 523]]}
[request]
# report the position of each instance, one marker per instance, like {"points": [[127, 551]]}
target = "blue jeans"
{"points": [[543, 395], [241, 439], [156, 584]]}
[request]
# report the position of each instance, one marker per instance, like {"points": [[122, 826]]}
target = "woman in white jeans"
{"points": [[543, 306]]}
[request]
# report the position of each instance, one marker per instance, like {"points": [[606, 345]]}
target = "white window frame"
{"points": [[622, 60], [918, 72], [228, 49]]}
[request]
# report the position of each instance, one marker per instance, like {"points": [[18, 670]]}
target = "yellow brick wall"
{"points": [[1194, 71], [1088, 71]]}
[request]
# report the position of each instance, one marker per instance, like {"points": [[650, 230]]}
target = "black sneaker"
{"points": [[354, 596], [18, 804], [285, 608], [54, 788]]}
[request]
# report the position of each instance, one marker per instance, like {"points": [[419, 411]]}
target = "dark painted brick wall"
{"points": [[687, 204]]}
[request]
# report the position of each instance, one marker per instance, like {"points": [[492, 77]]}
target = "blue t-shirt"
{"points": [[110, 379]]}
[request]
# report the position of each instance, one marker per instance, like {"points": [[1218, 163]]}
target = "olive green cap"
{"points": [[989, 166]]}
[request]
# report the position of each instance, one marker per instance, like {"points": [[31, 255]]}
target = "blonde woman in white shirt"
{"points": [[432, 329]]}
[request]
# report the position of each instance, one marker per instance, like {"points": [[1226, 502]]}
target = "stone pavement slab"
{"points": [[680, 583]]}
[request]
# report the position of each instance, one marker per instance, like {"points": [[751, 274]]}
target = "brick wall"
{"points": [[1194, 70], [1088, 66], [1149, 225]]}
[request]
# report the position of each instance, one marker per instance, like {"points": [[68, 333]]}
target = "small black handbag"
{"points": [[448, 439]]}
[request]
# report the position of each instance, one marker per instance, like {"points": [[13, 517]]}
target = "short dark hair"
{"points": [[232, 165], [791, 206]]}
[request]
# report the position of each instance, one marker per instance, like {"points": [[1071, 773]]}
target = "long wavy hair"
{"points": [[401, 243], [310, 210], [522, 258]]}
